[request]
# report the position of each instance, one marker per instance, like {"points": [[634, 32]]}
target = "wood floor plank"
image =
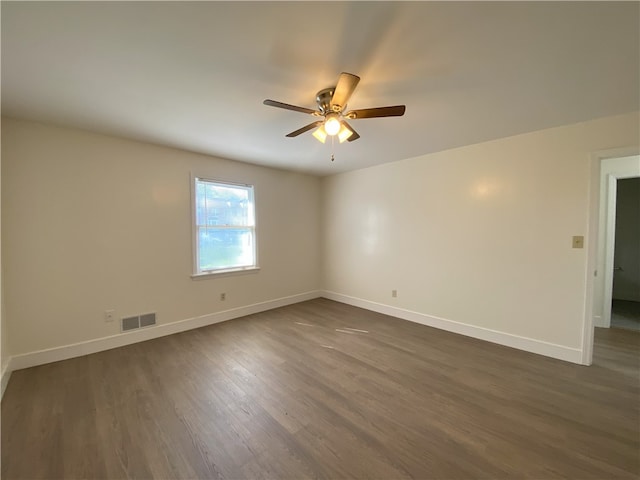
{"points": [[325, 390]]}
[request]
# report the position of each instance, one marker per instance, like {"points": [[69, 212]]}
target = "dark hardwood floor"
{"points": [[325, 390]]}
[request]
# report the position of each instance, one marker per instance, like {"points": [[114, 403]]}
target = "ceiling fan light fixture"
{"points": [[344, 133], [332, 124], [320, 134]]}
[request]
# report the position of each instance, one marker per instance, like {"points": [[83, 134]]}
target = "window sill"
{"points": [[224, 273]]}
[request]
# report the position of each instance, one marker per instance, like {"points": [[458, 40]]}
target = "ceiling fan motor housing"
{"points": [[323, 98]]}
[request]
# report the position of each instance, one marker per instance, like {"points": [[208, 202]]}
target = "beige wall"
{"points": [[91, 223], [479, 235]]}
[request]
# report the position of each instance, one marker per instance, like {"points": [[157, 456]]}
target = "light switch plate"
{"points": [[578, 241]]}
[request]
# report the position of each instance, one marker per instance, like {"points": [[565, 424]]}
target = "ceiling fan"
{"points": [[332, 103]]}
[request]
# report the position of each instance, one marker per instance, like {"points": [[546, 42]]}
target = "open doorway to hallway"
{"points": [[625, 297], [607, 169], [617, 346]]}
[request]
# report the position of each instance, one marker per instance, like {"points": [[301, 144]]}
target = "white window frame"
{"points": [[196, 272]]}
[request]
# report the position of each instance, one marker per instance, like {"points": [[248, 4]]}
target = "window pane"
{"points": [[225, 248], [223, 205]]}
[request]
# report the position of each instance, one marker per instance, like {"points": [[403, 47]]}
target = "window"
{"points": [[224, 227]]}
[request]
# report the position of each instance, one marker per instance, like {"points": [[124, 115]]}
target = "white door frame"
{"points": [[606, 168]]}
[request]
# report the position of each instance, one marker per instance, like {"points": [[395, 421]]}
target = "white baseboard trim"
{"points": [[6, 375], [65, 352], [540, 347]]}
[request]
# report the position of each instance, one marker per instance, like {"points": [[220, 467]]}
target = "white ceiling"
{"points": [[193, 75]]}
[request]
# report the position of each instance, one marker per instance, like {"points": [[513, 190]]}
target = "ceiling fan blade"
{"points": [[346, 85], [354, 135], [286, 106], [395, 111], [306, 128]]}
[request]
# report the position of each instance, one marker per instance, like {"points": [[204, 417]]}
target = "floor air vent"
{"points": [[139, 321]]}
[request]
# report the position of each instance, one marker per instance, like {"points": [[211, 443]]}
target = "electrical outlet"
{"points": [[223, 297], [394, 293], [109, 315]]}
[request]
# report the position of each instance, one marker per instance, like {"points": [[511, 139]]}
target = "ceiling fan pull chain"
{"points": [[332, 150]]}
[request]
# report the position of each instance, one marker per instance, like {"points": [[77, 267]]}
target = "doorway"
{"points": [[607, 169], [625, 297]]}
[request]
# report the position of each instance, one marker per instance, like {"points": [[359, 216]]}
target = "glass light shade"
{"points": [[332, 125], [344, 133], [320, 134]]}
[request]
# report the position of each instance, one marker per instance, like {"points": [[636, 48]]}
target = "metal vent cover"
{"points": [[147, 319], [130, 323]]}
